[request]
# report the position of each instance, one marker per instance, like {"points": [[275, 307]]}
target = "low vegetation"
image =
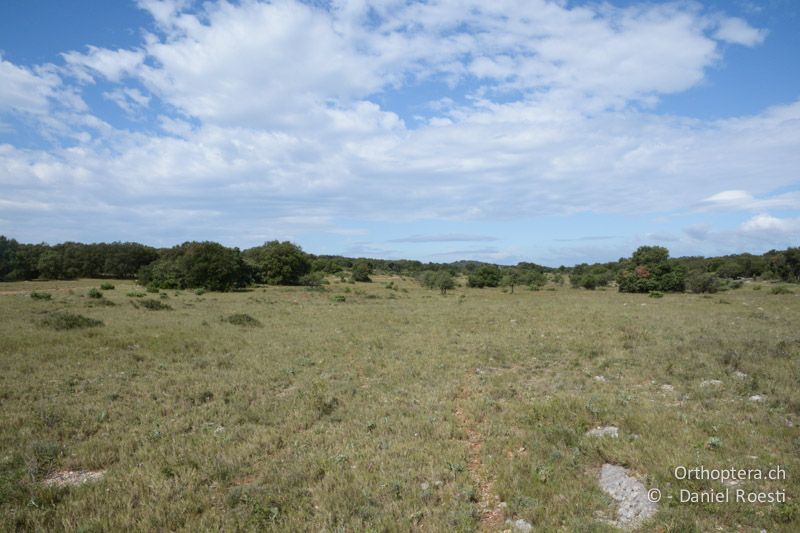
{"points": [[389, 406]]}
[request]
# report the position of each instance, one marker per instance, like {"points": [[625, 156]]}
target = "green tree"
{"points": [[443, 280], [484, 276], [279, 263]]}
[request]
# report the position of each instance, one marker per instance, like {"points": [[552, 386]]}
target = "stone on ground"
{"points": [[634, 506], [71, 478], [604, 431]]}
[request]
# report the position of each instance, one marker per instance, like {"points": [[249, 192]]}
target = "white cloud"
{"points": [[743, 200], [110, 64], [737, 31], [26, 90], [772, 226], [267, 110]]}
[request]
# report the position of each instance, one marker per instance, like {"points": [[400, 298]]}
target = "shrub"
{"points": [[41, 295], [94, 293], [155, 305], [243, 319], [361, 271], [780, 289], [135, 294], [338, 298], [703, 282], [107, 287], [656, 294], [313, 280], [201, 291], [62, 320]]}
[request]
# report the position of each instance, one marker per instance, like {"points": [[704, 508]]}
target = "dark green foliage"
{"points": [[62, 320], [703, 282], [243, 319], [94, 293], [107, 287], [656, 294], [650, 269], [278, 263], [485, 276], [41, 295], [361, 271], [338, 298], [197, 264], [155, 305], [592, 276]]}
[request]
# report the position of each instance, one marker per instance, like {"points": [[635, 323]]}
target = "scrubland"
{"points": [[362, 407]]}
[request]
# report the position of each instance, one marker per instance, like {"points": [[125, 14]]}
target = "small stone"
{"points": [[666, 387], [710, 383], [739, 375], [757, 398], [425, 485], [600, 378]]}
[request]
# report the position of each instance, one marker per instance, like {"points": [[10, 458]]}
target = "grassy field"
{"points": [[363, 407]]}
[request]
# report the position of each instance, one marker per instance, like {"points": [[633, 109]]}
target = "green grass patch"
{"points": [[62, 320]]}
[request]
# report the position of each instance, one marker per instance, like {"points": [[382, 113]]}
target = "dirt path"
{"points": [[488, 502]]}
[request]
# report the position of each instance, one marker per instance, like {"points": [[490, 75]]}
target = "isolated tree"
{"points": [[510, 279], [444, 281]]}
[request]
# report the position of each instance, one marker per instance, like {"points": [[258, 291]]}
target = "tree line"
{"points": [[212, 266]]}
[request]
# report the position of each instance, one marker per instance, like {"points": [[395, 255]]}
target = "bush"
{"points": [[41, 295], [107, 287], [201, 291], [338, 298], [781, 289], [243, 319], [94, 293], [484, 276], [135, 294], [155, 305], [703, 282], [360, 272], [656, 294], [62, 320]]}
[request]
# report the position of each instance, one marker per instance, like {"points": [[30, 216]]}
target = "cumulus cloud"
{"points": [[266, 110]]}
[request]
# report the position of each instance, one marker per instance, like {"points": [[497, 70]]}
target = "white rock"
{"points": [[601, 379], [666, 387], [604, 431], [520, 525], [634, 506], [710, 383], [739, 375], [757, 398]]}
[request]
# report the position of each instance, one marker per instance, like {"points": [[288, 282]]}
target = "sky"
{"points": [[556, 132]]}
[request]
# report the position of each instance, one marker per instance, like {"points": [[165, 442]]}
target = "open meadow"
{"points": [[385, 406]]}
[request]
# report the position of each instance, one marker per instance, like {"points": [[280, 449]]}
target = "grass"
{"points": [[371, 413]]}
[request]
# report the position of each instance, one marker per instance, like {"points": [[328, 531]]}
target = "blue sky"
{"points": [[554, 132]]}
